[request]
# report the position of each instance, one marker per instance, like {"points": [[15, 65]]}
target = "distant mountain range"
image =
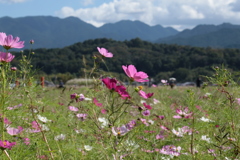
{"points": [[53, 32], [225, 35]]}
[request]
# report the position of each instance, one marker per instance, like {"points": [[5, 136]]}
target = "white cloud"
{"points": [[191, 13], [165, 12], [12, 1], [87, 2]]}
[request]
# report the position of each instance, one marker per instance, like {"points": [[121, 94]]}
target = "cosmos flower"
{"points": [[120, 131], [95, 101], [104, 121], [110, 83], [183, 113], [26, 141], [171, 150], [6, 144], [132, 73], [145, 95], [9, 42], [60, 137], [43, 119], [14, 131], [72, 108], [205, 119], [147, 106], [104, 52], [146, 113], [6, 57], [77, 97], [88, 148], [204, 137], [82, 116]]}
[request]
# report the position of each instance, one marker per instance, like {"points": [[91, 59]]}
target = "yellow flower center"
{"points": [[140, 87]]}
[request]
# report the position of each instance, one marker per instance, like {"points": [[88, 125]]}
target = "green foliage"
{"points": [[183, 62]]}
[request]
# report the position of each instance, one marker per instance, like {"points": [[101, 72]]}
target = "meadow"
{"points": [[108, 120]]}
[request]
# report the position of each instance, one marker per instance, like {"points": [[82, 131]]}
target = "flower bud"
{"points": [[31, 41]]}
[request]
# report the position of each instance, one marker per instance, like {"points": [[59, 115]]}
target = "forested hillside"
{"points": [[160, 61]]}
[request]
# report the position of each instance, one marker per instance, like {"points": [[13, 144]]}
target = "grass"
{"points": [[140, 141]]}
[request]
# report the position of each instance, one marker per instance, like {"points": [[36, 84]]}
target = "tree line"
{"points": [[159, 61]]}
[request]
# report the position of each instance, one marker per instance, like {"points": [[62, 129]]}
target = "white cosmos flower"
{"points": [[87, 99], [43, 119], [131, 144], [205, 119], [88, 148], [142, 101], [204, 137], [178, 133], [60, 137], [151, 121], [104, 122], [44, 127]]}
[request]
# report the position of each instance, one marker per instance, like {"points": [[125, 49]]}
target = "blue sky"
{"points": [[180, 14]]}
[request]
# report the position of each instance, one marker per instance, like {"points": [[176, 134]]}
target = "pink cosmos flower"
{"points": [[238, 100], [14, 107], [9, 42], [95, 101], [161, 117], [36, 127], [13, 68], [31, 41], [145, 95], [6, 121], [164, 81], [82, 116], [14, 131], [122, 92], [171, 150], [147, 106], [6, 144], [110, 83], [26, 141], [155, 101], [164, 128], [104, 52], [131, 124], [6, 57], [72, 108], [161, 135], [154, 85], [77, 97], [103, 111], [146, 113], [132, 73], [183, 113], [120, 131], [144, 121]]}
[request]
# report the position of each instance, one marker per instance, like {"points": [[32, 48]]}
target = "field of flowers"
{"points": [[108, 120]]}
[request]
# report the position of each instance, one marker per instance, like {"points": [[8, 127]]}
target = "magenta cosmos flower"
{"points": [[110, 83], [146, 113], [104, 52], [6, 144], [9, 42], [6, 57], [132, 73], [147, 106]]}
